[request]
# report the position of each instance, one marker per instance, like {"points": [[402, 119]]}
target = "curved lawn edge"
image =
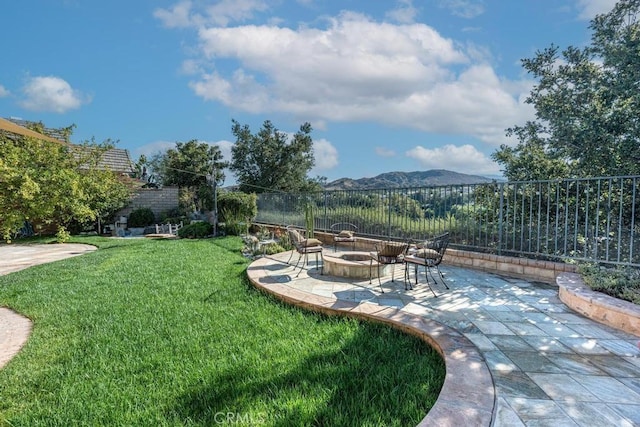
{"points": [[16, 331], [17, 328], [623, 315], [467, 396]]}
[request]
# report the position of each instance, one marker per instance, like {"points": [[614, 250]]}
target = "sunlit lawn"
{"points": [[146, 332]]}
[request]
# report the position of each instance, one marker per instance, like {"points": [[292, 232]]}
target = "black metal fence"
{"points": [[591, 219]]}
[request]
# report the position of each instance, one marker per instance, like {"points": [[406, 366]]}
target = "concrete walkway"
{"points": [[548, 365], [14, 328]]}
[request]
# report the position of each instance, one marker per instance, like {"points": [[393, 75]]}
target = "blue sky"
{"points": [[400, 85]]}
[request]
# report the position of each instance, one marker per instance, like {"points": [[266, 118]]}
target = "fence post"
{"points": [[500, 217], [389, 214], [326, 224]]}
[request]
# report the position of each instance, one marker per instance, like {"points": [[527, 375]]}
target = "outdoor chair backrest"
{"points": [[435, 248], [390, 251]]}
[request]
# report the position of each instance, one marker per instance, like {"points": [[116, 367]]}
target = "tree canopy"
{"points": [[191, 166], [587, 103], [51, 183], [270, 160]]}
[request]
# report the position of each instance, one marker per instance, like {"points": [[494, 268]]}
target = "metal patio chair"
{"points": [[387, 253], [304, 247], [429, 255]]}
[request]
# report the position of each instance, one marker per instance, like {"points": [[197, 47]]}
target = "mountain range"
{"points": [[433, 177]]}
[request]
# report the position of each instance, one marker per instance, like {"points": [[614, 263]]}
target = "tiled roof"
{"points": [[53, 133], [117, 160], [114, 159]]}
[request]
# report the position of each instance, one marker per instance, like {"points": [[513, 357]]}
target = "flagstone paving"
{"points": [[549, 365]]}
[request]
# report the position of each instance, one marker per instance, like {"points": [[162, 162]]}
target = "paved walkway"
{"points": [[549, 365], [14, 328]]}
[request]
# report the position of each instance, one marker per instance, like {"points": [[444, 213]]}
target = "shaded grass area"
{"points": [[145, 332]]}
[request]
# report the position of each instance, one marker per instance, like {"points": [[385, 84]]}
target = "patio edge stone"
{"points": [[598, 306]]}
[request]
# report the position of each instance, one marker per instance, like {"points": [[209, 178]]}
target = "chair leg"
{"points": [[379, 280], [291, 256], [370, 267], [296, 266], [442, 277], [407, 277], [427, 271]]}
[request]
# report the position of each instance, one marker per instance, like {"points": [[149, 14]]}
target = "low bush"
{"points": [[141, 217], [621, 282], [197, 230]]}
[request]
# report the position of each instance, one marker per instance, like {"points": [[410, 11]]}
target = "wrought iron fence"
{"points": [[591, 219]]}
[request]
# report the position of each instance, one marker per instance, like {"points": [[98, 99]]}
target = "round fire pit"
{"points": [[351, 264]]}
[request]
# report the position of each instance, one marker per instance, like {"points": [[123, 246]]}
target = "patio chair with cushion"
{"points": [[304, 246], [428, 254], [387, 253], [344, 232]]}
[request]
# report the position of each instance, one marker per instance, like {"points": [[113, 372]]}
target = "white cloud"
{"points": [[151, 149], [179, 16], [384, 152], [590, 8], [51, 94], [464, 8], [223, 12], [4, 92], [464, 159], [405, 13], [357, 69], [325, 154]]}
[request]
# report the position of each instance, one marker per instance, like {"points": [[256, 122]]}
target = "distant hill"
{"points": [[428, 178]]}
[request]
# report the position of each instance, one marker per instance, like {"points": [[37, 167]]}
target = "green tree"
{"points": [[53, 183], [587, 105], [190, 166], [271, 161]]}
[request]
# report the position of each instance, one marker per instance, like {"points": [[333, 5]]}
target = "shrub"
{"points": [[237, 206], [141, 217], [197, 230], [621, 282], [62, 236]]}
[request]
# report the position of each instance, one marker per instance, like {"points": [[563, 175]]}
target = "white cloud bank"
{"points": [[51, 94], [353, 70], [4, 92]]}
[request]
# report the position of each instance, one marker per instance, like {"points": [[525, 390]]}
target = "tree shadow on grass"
{"points": [[367, 380]]}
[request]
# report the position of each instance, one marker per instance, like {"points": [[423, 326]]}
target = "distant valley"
{"points": [[433, 177]]}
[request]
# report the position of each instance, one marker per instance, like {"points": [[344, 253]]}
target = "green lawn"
{"points": [[145, 332]]}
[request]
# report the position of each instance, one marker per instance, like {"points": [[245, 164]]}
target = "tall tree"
{"points": [[271, 161], [191, 166], [587, 104], [52, 183]]}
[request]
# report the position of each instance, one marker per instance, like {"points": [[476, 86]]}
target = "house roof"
{"points": [[17, 127], [114, 159], [117, 160]]}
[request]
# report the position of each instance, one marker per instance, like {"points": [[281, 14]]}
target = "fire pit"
{"points": [[351, 264]]}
